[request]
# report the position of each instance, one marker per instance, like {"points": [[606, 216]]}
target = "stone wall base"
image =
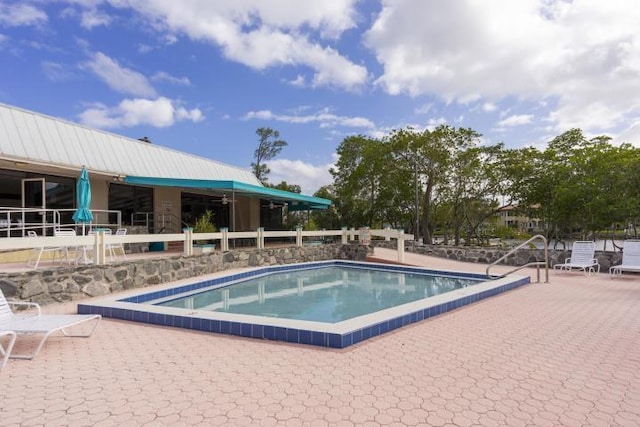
{"points": [[77, 282], [488, 255]]}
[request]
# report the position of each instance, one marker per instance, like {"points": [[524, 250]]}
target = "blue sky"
{"points": [[201, 76]]}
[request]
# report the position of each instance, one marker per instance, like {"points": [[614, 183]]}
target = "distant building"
{"points": [[510, 216], [165, 189]]}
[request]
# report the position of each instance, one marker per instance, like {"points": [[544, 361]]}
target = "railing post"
{"points": [[260, 238], [345, 237], [224, 241], [99, 247], [400, 245], [299, 235], [387, 235], [188, 241]]}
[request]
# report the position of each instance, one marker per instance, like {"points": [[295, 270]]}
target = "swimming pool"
{"points": [[346, 302]]}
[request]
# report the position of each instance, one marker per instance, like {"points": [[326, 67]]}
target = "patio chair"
{"points": [[6, 352], [582, 258], [112, 247], [39, 324], [630, 258], [36, 253]]}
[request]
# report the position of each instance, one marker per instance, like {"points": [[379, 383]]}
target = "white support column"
{"points": [[99, 248], [188, 241], [387, 235], [345, 236], [298, 236], [401, 245], [224, 242], [260, 238]]}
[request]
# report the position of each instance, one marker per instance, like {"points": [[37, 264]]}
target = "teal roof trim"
{"points": [[295, 201]]}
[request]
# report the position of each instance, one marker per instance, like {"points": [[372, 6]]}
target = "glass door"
{"points": [[34, 205]]}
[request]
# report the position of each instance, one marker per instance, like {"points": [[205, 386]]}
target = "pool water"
{"points": [[324, 303], [327, 294]]}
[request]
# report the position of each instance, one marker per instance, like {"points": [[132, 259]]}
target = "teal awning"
{"points": [[295, 201]]}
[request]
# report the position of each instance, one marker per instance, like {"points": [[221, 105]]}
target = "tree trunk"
{"points": [[426, 213]]}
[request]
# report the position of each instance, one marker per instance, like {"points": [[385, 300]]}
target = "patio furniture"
{"points": [[37, 323], [582, 258], [630, 258], [36, 253], [5, 352], [112, 247]]}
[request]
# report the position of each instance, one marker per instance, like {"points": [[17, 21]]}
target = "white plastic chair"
{"points": [[113, 246], [38, 323], [582, 258], [68, 232], [630, 258], [36, 253]]}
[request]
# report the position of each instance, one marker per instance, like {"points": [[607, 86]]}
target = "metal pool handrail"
{"points": [[529, 264]]}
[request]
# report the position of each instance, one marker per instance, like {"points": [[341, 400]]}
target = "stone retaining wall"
{"points": [[488, 255], [60, 284]]}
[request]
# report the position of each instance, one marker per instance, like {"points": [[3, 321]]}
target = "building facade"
{"points": [[133, 182]]}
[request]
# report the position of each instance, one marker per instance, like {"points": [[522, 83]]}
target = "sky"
{"points": [[202, 76]]}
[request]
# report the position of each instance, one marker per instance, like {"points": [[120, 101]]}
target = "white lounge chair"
{"points": [[39, 324], [5, 352], [630, 258], [582, 258]]}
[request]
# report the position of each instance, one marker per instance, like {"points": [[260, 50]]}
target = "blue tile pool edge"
{"points": [[289, 334]]}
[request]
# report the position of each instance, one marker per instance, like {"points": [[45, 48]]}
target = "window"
{"points": [[194, 205], [130, 200]]}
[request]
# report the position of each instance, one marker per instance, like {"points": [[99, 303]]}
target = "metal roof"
{"points": [[27, 136]]}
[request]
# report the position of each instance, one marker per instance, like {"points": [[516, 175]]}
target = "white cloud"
{"points": [[119, 78], [583, 55], [160, 112], [424, 108], [55, 71], [263, 34], [94, 18], [309, 177], [630, 135], [435, 122], [89, 15], [489, 107], [17, 15], [323, 117], [516, 120], [299, 81], [164, 76]]}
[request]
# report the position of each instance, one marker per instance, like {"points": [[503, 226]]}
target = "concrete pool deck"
{"points": [[564, 353]]}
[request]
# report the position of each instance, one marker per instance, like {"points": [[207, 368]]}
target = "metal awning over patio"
{"points": [[294, 201]]}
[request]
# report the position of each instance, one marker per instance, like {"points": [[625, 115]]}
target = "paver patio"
{"points": [[565, 353]]}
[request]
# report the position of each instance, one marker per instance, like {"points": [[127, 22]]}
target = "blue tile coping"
{"points": [[337, 335]]}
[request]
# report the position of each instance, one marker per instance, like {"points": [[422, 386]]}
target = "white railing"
{"points": [[100, 241], [15, 222]]}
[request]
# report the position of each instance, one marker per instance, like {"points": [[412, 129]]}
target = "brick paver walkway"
{"points": [[559, 354]]}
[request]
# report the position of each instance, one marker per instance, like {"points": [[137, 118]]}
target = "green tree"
{"points": [[436, 157], [357, 176], [330, 218], [285, 186], [470, 195], [269, 146], [577, 186]]}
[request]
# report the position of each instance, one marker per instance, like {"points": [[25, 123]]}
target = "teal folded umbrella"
{"points": [[83, 199]]}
